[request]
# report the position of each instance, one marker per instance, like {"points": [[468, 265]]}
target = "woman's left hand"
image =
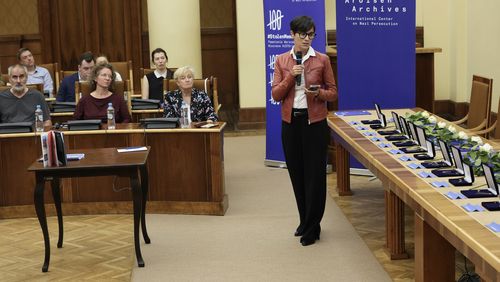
{"points": [[313, 93]]}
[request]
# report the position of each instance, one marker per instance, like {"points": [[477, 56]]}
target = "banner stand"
{"points": [[277, 17]]}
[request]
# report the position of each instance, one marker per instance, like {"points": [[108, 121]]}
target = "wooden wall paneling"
{"points": [[424, 81], [134, 51], [419, 33], [10, 44], [219, 49], [72, 31], [144, 40], [8, 49], [451, 110], [146, 57], [219, 59], [33, 42], [110, 17], [72, 27], [45, 28], [120, 29], [252, 118]]}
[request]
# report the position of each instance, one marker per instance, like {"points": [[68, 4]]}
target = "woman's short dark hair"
{"points": [[95, 72], [158, 50], [302, 24]]}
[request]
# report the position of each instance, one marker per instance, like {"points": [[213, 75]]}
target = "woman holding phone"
{"points": [[303, 83]]}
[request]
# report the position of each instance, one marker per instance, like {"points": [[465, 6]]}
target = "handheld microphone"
{"points": [[298, 60]]}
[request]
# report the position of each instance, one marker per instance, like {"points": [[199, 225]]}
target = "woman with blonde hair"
{"points": [[200, 106]]}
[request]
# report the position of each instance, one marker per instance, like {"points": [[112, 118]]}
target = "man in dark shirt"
{"points": [[67, 89], [18, 104]]}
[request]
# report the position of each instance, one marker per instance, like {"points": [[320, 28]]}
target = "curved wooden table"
{"points": [[186, 172], [440, 225]]}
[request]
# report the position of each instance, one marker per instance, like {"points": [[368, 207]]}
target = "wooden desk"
{"points": [[186, 172], [440, 226], [97, 162]]}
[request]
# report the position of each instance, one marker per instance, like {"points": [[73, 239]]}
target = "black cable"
{"points": [[119, 189], [468, 276]]}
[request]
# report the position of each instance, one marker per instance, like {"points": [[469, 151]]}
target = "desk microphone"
{"points": [[298, 60]]}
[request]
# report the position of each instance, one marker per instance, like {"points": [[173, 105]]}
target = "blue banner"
{"points": [[375, 55], [277, 17]]}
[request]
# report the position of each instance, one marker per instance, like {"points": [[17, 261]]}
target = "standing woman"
{"points": [[303, 83], [95, 105], [200, 106], [152, 83]]}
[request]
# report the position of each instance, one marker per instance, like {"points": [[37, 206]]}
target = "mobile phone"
{"points": [[314, 87]]}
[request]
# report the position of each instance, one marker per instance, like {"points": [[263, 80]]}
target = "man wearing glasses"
{"points": [[303, 83]]}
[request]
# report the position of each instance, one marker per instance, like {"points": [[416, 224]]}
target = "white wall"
{"points": [[483, 44], [330, 14], [467, 31], [251, 53], [437, 26], [175, 26]]}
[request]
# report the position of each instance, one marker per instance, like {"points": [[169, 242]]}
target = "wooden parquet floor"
{"points": [[100, 247], [95, 248], [365, 211]]}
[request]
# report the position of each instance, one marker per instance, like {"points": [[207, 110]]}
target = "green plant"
{"points": [[476, 154]]}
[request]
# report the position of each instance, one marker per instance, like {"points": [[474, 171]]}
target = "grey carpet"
{"points": [[254, 241]]}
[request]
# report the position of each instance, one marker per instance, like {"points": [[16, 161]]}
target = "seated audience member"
{"points": [[18, 104], [103, 59], [67, 89], [152, 83], [36, 74], [200, 106], [95, 105]]}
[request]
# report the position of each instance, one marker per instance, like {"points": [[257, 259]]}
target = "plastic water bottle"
{"points": [[111, 116], [184, 115], [38, 119]]}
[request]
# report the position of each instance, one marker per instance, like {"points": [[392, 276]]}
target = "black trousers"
{"points": [[305, 147]]}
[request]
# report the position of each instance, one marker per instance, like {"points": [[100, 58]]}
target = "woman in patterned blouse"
{"points": [[199, 103]]}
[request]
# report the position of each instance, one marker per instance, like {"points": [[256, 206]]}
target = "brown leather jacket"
{"points": [[317, 70]]}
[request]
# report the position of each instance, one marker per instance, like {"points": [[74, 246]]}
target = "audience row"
{"points": [[18, 103]]}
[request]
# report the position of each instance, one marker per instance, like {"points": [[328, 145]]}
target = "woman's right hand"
{"points": [[297, 70]]}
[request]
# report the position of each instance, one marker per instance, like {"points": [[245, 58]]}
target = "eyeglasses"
{"points": [[303, 35], [106, 75]]}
